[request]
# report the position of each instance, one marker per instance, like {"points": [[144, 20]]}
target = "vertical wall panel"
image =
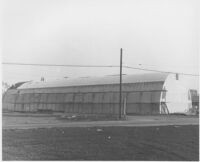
{"points": [[26, 107], [116, 98], [133, 97], [155, 108], [33, 107], [155, 98], [60, 98], [133, 108], [67, 107], [5, 106], [98, 97], [60, 107], [12, 107], [19, 98], [50, 98], [146, 97], [88, 98], [19, 107], [26, 98], [36, 98], [145, 108], [69, 97]]}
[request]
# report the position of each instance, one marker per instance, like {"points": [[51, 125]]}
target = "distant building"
{"points": [[194, 98], [142, 94]]}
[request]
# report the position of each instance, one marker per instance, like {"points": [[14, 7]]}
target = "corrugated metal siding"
{"points": [[85, 103], [141, 98]]}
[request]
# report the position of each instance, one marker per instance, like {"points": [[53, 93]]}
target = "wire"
{"points": [[106, 66], [168, 72], [8, 63]]}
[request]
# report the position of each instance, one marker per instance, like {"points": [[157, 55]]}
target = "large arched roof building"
{"points": [[142, 94]]}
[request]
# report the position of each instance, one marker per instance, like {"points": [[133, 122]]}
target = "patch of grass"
{"points": [[103, 143]]}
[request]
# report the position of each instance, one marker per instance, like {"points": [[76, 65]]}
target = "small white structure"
{"points": [[177, 97]]}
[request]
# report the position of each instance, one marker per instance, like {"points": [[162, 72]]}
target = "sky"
{"points": [[155, 34]]}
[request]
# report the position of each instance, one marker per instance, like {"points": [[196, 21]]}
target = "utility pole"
{"points": [[120, 86]]}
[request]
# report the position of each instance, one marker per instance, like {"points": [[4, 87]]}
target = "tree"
{"points": [[5, 86]]}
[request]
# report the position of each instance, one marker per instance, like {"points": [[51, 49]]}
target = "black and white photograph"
{"points": [[100, 80]]}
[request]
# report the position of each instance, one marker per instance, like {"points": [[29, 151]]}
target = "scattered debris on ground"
{"points": [[113, 143], [99, 130], [86, 117]]}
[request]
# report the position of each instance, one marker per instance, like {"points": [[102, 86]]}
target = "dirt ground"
{"points": [[103, 143], [30, 121]]}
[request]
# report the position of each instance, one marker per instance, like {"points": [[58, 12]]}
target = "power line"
{"points": [[103, 66], [61, 65], [168, 72]]}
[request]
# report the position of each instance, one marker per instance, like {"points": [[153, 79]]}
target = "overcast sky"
{"points": [[158, 34]]}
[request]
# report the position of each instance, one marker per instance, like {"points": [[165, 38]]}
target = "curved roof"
{"points": [[141, 78]]}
